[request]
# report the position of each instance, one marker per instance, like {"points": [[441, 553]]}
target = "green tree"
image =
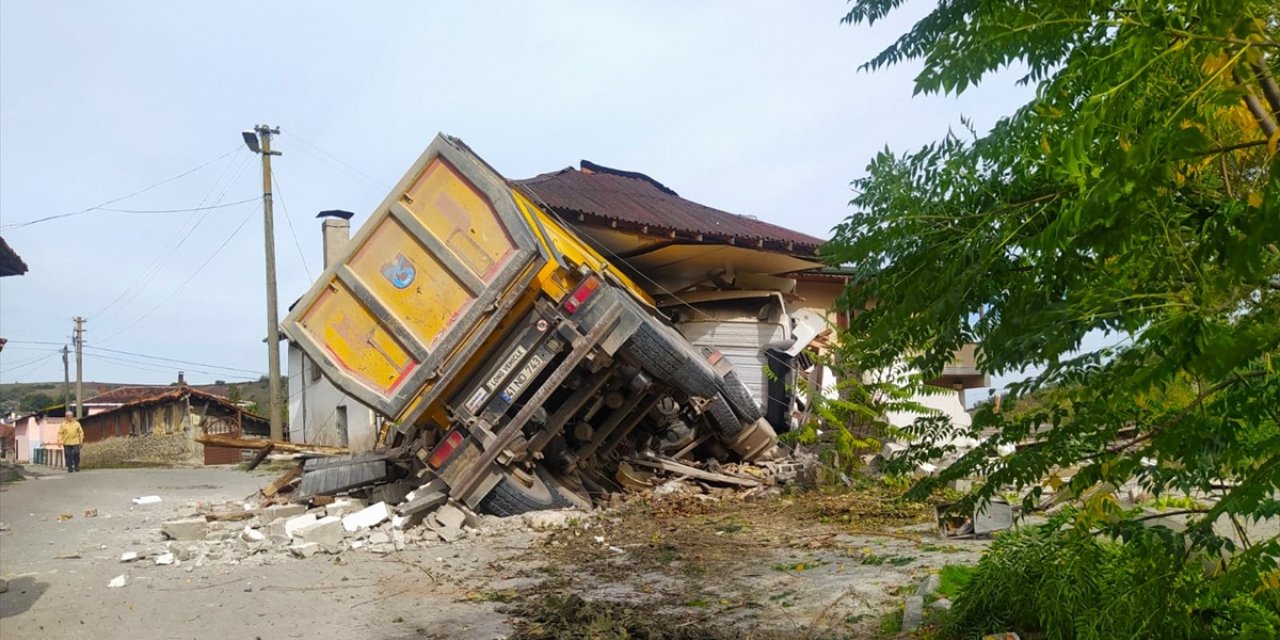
{"points": [[1136, 197], [36, 401]]}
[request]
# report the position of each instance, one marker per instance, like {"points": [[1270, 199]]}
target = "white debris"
{"points": [[117, 582], [398, 522], [599, 539], [252, 535], [370, 516], [164, 558], [146, 500], [616, 550], [292, 525], [129, 556]]}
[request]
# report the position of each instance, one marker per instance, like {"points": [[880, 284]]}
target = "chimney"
{"points": [[336, 229], [181, 379]]}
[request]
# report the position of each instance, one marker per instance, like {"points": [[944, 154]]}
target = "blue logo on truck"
{"points": [[399, 272]]}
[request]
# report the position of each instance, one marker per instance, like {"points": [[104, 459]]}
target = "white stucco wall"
{"points": [[316, 409]]}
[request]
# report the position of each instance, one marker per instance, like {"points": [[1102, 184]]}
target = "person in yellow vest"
{"points": [[71, 436]]}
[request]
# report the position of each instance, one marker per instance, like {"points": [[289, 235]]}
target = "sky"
{"points": [[752, 107]]}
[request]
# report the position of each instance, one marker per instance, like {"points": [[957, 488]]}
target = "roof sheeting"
{"points": [[10, 263], [609, 196]]}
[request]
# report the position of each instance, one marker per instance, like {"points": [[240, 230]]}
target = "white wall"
{"points": [[316, 409]]}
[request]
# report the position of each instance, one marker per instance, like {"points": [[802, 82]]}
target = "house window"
{"points": [[342, 419]]}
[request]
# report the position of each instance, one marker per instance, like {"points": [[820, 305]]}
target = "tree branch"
{"points": [[1255, 106], [1269, 87]]}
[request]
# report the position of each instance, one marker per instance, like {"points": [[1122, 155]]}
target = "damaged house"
{"points": [[163, 422]]}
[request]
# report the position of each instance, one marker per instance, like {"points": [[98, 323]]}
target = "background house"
{"points": [[140, 414]]}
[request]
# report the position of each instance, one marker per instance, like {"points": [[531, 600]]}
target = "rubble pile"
{"points": [[273, 530]]}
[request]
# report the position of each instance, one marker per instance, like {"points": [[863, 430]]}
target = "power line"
{"points": [[175, 360], [376, 182], [184, 282], [102, 205], [59, 344], [150, 366], [216, 206], [30, 363], [289, 219], [171, 248]]}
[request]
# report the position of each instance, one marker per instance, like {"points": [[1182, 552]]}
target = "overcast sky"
{"points": [[751, 107]]}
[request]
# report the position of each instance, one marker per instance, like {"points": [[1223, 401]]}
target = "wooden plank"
{"points": [[283, 481], [260, 456], [672, 466], [223, 440], [230, 516]]}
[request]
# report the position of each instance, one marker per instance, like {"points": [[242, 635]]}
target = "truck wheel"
{"points": [[671, 360], [723, 421], [569, 492], [740, 398], [518, 493]]}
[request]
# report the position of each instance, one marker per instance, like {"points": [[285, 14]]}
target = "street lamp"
{"points": [[258, 140]]}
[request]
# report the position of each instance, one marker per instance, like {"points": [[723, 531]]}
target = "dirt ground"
{"points": [[680, 566]]}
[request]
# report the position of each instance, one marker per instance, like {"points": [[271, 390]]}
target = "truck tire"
{"points": [[723, 421], [513, 496], [570, 492], [671, 359], [740, 398]]}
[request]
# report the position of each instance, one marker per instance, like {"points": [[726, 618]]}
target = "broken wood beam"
{"points": [[230, 516], [671, 466], [222, 440], [283, 481], [260, 456]]}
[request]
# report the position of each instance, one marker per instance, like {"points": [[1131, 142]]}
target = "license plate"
{"points": [[523, 378]]}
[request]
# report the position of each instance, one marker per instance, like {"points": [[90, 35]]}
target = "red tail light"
{"points": [[445, 450], [580, 295]]}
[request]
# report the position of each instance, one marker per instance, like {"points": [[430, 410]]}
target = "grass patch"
{"points": [[954, 579]]}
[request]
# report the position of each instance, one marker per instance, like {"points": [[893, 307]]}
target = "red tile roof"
{"points": [[10, 263], [610, 197], [125, 395]]}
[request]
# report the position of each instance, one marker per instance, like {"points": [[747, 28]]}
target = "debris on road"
{"points": [[140, 500], [90, 513], [117, 582]]}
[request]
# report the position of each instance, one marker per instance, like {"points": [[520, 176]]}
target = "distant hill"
{"points": [[25, 397]]}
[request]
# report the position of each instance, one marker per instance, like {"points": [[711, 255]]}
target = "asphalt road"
{"points": [[58, 571]]}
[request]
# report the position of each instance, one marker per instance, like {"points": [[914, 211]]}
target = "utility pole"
{"points": [[261, 144], [79, 367], [66, 377]]}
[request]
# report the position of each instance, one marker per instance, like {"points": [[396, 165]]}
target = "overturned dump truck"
{"points": [[515, 364]]}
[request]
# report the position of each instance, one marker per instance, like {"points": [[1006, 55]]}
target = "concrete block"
{"points": [[185, 529], [165, 558], [941, 604], [450, 517], [343, 506], [252, 535], [370, 516], [398, 539], [913, 613], [929, 585], [282, 511], [325, 531], [304, 549], [129, 556], [292, 525], [379, 538]]}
